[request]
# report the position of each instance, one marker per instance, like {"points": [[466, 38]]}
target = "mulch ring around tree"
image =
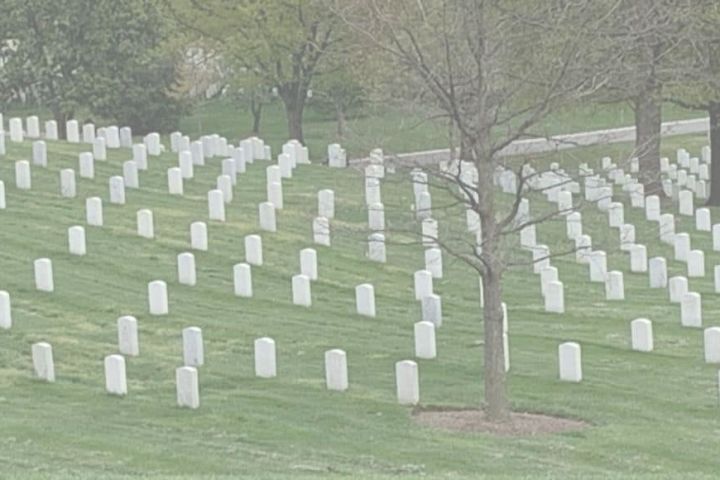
{"points": [[520, 424]]}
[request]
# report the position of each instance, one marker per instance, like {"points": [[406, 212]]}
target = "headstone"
{"points": [[336, 371], [678, 287], [39, 151], [376, 248], [117, 190], [638, 259], [126, 140], [702, 220], [301, 290], [667, 228], [186, 269], [44, 275], [76, 240], [528, 237], [99, 149], [152, 142], [555, 297], [158, 298], [642, 335], [199, 236], [337, 157], [128, 343], [175, 181], [598, 266], [547, 275], [691, 310], [614, 286], [627, 236], [423, 206], [686, 203], [376, 217], [67, 183], [23, 177], [198, 156], [72, 131], [140, 156], [652, 208], [407, 382], [193, 352], [242, 280], [51, 130], [433, 262], [423, 282], [5, 310], [188, 390], [16, 130], [425, 340], [112, 136], [224, 184], [308, 263], [583, 248], [94, 211], [88, 133], [254, 250], [3, 204], [429, 231], [216, 205], [658, 272], [275, 194], [87, 165], [321, 231], [681, 246], [696, 263], [326, 203], [573, 225], [130, 174], [616, 214], [145, 224], [285, 165], [239, 157], [365, 300], [372, 191], [229, 168], [711, 344], [272, 174], [115, 379], [570, 362], [42, 357], [265, 358], [266, 211]]}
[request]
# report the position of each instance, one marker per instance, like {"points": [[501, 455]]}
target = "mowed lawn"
{"points": [[653, 413]]}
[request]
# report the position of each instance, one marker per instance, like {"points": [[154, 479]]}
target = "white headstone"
{"points": [[681, 246], [638, 259], [254, 250], [44, 275], [686, 203], [667, 228], [642, 335], [175, 181], [72, 131], [16, 130], [158, 298], [117, 190], [5, 310], [140, 156], [570, 362], [216, 205], [265, 358], [308, 263], [425, 340], [301, 290], [86, 165], [702, 219], [407, 382], [321, 231], [711, 344], [365, 300], [431, 306], [696, 263], [67, 183], [433, 262], [193, 352], [242, 280], [555, 297], [99, 149], [423, 282], [336, 371], [198, 156], [51, 130], [39, 151], [199, 236], [188, 389], [88, 133], [115, 379], [186, 269], [126, 140], [145, 224], [275, 194], [376, 217], [130, 174], [652, 208], [94, 211], [76, 240], [128, 343], [229, 168], [185, 163], [691, 310], [266, 213], [42, 357], [23, 177], [376, 248], [326, 203], [678, 287], [614, 286], [573, 225]]}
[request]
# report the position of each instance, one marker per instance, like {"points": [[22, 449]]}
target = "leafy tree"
{"points": [[95, 54], [283, 42]]}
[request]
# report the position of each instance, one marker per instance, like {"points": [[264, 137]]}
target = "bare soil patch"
{"points": [[520, 424]]}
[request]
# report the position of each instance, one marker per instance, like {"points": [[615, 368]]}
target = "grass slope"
{"points": [[651, 413]]}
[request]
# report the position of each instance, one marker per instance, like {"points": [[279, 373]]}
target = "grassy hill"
{"points": [[651, 413]]}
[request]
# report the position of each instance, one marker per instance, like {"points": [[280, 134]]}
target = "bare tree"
{"points": [[495, 69]]}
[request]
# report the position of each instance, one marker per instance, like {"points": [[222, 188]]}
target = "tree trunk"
{"points": [[648, 125], [465, 153], [293, 98], [714, 113], [256, 109], [61, 119], [341, 120], [497, 406]]}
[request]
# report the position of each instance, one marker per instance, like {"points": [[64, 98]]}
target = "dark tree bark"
{"points": [[341, 120], [714, 113], [294, 96], [61, 119], [648, 125], [256, 108]]}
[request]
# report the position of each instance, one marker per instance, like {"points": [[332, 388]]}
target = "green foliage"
{"points": [[100, 54]]}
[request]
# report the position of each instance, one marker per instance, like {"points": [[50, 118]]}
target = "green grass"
{"points": [[651, 414]]}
